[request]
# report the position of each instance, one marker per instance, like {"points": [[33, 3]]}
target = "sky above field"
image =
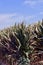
{"points": [[11, 11]]}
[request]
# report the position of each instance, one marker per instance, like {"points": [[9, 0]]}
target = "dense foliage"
{"points": [[18, 43]]}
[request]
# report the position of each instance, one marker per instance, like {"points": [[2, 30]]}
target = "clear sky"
{"points": [[11, 11]]}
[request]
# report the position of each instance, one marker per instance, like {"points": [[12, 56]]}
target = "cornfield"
{"points": [[21, 44]]}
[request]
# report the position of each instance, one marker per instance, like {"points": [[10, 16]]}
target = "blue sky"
{"points": [[11, 11]]}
